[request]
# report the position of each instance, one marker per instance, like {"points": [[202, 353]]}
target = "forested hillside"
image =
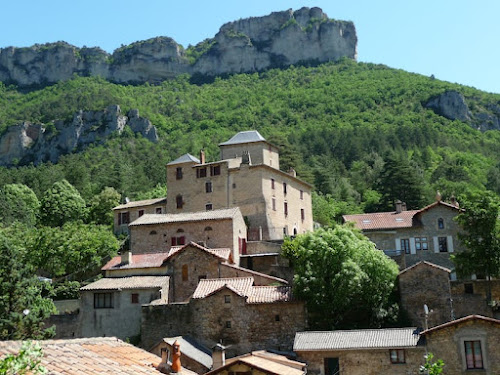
{"points": [[359, 132]]}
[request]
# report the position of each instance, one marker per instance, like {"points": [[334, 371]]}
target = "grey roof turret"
{"points": [[248, 136], [186, 158]]}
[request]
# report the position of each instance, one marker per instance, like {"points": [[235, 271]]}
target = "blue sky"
{"points": [[456, 40]]}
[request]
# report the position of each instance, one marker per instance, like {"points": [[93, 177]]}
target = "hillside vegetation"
{"points": [[359, 132]]}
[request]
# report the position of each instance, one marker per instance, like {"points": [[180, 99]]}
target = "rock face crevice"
{"points": [[36, 143], [248, 45]]}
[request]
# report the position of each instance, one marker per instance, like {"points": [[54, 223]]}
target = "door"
{"points": [[332, 366]]}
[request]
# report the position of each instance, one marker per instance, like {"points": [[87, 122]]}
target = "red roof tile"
{"points": [[270, 294], [240, 285], [422, 263], [382, 220], [138, 261], [462, 320]]}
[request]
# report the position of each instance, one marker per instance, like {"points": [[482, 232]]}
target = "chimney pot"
{"points": [[438, 196], [399, 206], [202, 157], [127, 257], [218, 356], [176, 356], [292, 172]]}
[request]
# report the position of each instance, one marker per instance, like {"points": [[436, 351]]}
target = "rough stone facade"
{"points": [[251, 327], [274, 203], [126, 213], [364, 362], [448, 344]]}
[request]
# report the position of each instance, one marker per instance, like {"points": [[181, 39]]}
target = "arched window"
{"points": [[185, 275], [180, 230], [440, 223], [152, 232], [208, 229]]}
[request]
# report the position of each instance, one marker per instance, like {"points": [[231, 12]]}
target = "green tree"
{"points": [[101, 206], [18, 203], [60, 204], [22, 307], [27, 361], [401, 180], [344, 280], [481, 236], [430, 367], [75, 248]]}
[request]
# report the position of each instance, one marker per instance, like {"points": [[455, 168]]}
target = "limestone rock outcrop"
{"points": [[36, 143], [248, 45], [453, 105]]}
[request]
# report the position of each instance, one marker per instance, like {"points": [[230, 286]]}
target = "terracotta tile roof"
{"points": [[252, 273], [148, 260], [382, 220], [422, 263], [270, 294], [462, 320], [222, 253], [192, 349], [148, 219], [131, 282], [265, 362], [240, 285], [91, 356], [146, 202], [356, 339], [439, 203]]}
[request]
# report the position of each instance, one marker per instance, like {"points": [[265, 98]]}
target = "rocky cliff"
{"points": [[36, 143], [248, 45]]}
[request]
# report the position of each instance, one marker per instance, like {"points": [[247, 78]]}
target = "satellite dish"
{"points": [[426, 310]]}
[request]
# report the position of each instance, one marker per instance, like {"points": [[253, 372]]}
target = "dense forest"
{"points": [[360, 133]]}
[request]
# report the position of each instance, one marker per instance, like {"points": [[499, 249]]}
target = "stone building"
{"points": [[467, 346], [428, 284], [391, 351], [233, 311], [429, 234], [274, 203], [124, 214]]}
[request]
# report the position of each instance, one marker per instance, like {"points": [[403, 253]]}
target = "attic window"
{"points": [[152, 232], [180, 230], [208, 229], [440, 223], [367, 221], [399, 220]]}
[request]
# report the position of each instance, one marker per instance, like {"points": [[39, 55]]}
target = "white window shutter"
{"points": [[398, 244], [450, 243], [413, 249], [436, 244]]}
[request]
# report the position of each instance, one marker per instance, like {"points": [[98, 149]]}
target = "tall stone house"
{"points": [[410, 236]]}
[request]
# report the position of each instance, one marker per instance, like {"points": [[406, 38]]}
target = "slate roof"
{"points": [[248, 136], [146, 202], [148, 219], [186, 158], [240, 285], [148, 260], [91, 356], [192, 349], [130, 282], [355, 339], [266, 362], [421, 263], [270, 294], [462, 320]]}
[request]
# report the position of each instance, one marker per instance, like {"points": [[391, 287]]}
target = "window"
{"points": [[201, 172], [134, 298], [469, 288], [208, 187], [397, 355], [276, 318], [473, 355], [331, 366], [228, 324], [185, 274], [209, 207], [440, 223], [405, 245], [178, 201], [153, 232], [284, 188], [272, 183], [178, 241], [421, 243], [141, 212], [274, 204], [215, 170], [202, 277], [208, 229], [227, 299], [301, 194], [123, 218], [285, 208], [302, 214], [442, 245], [158, 210], [234, 186], [178, 173], [103, 300]]}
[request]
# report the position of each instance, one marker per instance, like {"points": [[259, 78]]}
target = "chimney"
{"points": [[454, 201], [292, 172], [127, 257], [438, 196], [176, 356], [218, 356], [163, 366], [403, 206], [202, 157], [399, 206]]}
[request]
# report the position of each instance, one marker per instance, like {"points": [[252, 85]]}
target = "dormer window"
{"points": [[440, 223]]}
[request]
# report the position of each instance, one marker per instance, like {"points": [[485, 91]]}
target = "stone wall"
{"points": [[365, 362], [134, 215], [68, 326], [473, 299], [448, 344], [250, 327]]}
